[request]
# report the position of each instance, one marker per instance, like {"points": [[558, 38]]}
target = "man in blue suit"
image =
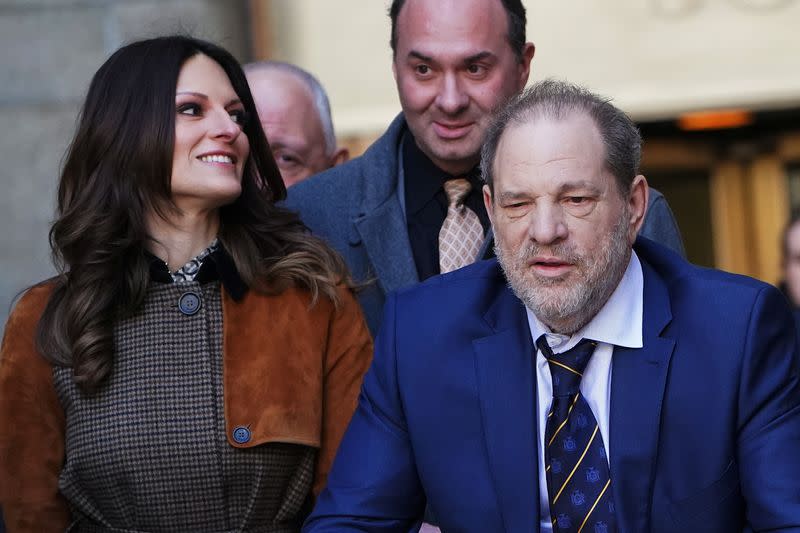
{"points": [[455, 62], [587, 379]]}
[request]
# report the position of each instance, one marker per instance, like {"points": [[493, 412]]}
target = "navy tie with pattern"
{"points": [[578, 478]]}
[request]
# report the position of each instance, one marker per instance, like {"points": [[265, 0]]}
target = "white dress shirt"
{"points": [[618, 323]]}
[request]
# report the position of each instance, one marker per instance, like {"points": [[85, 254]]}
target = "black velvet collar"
{"points": [[217, 266]]}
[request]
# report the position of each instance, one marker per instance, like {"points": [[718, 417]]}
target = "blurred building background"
{"points": [[714, 85]]}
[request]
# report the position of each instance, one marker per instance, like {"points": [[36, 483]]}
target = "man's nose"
{"points": [[547, 224], [452, 97]]}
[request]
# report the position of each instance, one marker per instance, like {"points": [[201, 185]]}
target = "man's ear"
{"points": [[487, 201], [637, 205], [525, 65], [342, 155]]}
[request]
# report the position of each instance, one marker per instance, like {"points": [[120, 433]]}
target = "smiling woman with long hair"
{"points": [[194, 364]]}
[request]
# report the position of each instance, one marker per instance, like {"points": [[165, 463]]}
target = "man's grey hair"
{"points": [[556, 100], [319, 96]]}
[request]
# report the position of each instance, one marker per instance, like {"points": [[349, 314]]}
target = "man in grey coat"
{"points": [[454, 62]]}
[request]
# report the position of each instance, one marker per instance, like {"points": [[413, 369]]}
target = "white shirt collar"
{"points": [[619, 321]]}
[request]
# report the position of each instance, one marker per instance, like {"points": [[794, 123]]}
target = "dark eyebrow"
{"points": [[198, 95], [478, 57], [202, 96], [468, 60], [419, 55]]}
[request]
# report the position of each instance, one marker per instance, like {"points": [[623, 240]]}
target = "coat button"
{"points": [[189, 303], [241, 435]]}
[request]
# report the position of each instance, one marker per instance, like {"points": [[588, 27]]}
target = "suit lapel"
{"points": [[638, 382], [385, 236], [380, 223], [507, 393]]}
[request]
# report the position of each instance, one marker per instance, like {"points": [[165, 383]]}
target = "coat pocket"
{"points": [[712, 507]]}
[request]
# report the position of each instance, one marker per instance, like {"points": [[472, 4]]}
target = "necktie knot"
{"points": [[566, 368], [457, 190]]}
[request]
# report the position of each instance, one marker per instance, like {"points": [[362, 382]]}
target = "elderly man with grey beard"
{"points": [[587, 380]]}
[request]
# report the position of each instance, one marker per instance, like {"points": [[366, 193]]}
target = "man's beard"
{"points": [[567, 303]]}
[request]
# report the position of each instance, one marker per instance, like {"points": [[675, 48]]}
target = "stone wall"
{"points": [[51, 48]]}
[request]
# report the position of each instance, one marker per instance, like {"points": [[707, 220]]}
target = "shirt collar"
{"points": [[217, 266], [619, 321], [424, 178]]}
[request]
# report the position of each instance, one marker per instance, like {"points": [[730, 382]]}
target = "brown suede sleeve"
{"points": [[31, 426], [349, 353]]}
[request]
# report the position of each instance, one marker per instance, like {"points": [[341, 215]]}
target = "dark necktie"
{"points": [[578, 479]]}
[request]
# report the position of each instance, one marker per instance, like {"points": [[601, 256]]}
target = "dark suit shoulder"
{"points": [[358, 185], [464, 292], [660, 224], [707, 288], [341, 182], [328, 202], [475, 274]]}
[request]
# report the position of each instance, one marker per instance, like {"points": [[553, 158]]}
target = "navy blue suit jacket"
{"points": [[704, 419]]}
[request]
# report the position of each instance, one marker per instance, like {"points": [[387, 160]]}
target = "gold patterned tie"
{"points": [[461, 236]]}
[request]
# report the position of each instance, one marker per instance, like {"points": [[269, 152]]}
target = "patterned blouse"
{"points": [[188, 271]]}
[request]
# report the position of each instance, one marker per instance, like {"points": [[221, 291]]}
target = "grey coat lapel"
{"points": [[380, 222], [385, 237]]}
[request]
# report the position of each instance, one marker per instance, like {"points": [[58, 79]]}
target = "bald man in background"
{"points": [[294, 111]]}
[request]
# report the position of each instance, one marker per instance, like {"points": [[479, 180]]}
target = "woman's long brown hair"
{"points": [[118, 169]]}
